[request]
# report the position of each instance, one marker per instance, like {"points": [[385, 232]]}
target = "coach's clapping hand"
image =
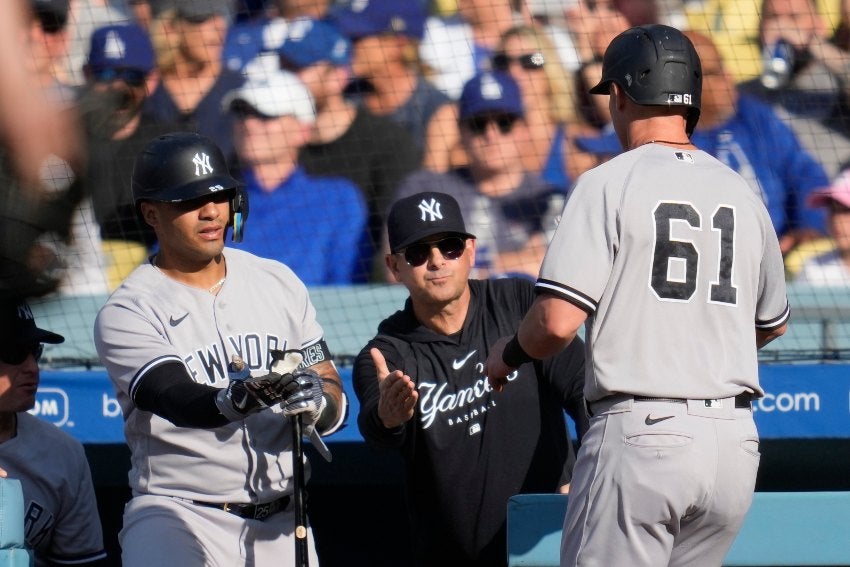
{"points": [[398, 393]]}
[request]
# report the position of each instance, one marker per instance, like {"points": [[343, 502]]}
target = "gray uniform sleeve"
{"points": [[578, 262]]}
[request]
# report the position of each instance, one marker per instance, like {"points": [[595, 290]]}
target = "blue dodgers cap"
{"points": [[363, 18], [125, 46], [311, 41], [490, 92]]}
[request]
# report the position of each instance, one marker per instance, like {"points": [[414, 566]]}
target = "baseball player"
{"points": [[674, 264], [422, 392], [193, 342], [61, 522]]}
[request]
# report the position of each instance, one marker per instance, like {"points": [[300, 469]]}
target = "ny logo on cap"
{"points": [[202, 164], [114, 47], [431, 209]]}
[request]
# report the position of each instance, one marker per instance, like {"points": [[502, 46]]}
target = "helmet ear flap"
{"points": [[238, 213]]}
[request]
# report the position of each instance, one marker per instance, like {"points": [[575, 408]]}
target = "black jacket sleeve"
{"points": [[365, 379], [168, 391], [565, 372]]}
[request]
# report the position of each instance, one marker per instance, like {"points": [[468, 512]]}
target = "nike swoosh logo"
{"points": [[653, 420], [174, 322], [458, 364]]}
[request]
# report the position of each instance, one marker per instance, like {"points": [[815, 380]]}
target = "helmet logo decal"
{"points": [[676, 98], [628, 79], [202, 164]]}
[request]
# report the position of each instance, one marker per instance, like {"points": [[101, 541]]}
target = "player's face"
{"points": [[18, 380], [190, 233], [442, 276]]}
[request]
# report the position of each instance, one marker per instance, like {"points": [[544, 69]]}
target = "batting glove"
{"points": [[246, 394], [304, 396]]}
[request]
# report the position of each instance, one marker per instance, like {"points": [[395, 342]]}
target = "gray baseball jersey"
{"points": [[152, 319], [61, 520], [676, 254]]}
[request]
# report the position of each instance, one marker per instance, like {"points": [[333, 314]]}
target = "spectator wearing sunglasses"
{"points": [[509, 208], [188, 37], [62, 524], [273, 114], [551, 110], [389, 77], [457, 47], [120, 75], [422, 392]]}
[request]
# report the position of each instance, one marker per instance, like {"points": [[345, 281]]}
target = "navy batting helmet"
{"points": [[655, 65], [182, 166]]}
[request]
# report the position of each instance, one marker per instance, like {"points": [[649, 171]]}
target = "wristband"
{"points": [[514, 355]]}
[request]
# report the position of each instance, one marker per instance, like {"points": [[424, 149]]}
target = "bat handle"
{"points": [[301, 547]]}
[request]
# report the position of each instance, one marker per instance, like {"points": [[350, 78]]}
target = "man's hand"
{"points": [[304, 396], [398, 393], [495, 368], [246, 394]]}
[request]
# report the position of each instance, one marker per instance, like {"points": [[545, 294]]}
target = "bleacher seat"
{"points": [[781, 529], [13, 552]]}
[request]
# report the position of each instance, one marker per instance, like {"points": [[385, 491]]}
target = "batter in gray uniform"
{"points": [[192, 342], [674, 264]]}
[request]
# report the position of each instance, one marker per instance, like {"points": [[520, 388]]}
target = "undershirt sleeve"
{"points": [[168, 391]]}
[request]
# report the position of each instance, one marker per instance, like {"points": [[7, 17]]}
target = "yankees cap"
{"points": [[422, 215], [17, 325]]}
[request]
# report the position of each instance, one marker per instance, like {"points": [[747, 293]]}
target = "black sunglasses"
{"points": [[530, 61], [133, 77], [17, 354], [451, 248], [478, 124]]}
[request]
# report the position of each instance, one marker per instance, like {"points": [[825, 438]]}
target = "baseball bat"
{"points": [[301, 555]]}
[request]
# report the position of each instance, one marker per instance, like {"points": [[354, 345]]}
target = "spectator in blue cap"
{"points": [[120, 75], [348, 141], [390, 78], [510, 209]]}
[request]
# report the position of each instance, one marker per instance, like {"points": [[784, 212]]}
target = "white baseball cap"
{"points": [[274, 93]]}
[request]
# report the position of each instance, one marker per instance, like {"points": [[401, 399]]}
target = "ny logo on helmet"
{"points": [[202, 164], [432, 209]]}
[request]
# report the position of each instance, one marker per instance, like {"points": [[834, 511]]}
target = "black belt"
{"points": [[250, 511], [741, 400]]}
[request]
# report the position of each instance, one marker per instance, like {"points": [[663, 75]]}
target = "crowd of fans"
{"points": [[329, 111]]}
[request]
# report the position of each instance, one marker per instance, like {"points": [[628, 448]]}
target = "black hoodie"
{"points": [[467, 448]]}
